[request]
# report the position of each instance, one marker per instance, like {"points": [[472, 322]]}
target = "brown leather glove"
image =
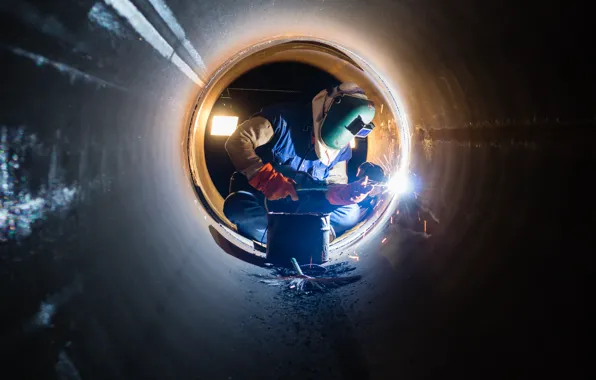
{"points": [[355, 192], [273, 184]]}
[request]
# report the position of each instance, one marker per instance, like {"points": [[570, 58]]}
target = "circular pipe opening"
{"points": [[388, 145]]}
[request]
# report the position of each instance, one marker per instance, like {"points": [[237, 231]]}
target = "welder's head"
{"points": [[339, 115]]}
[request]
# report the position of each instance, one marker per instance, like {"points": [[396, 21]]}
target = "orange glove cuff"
{"points": [[273, 184], [355, 192], [339, 195]]}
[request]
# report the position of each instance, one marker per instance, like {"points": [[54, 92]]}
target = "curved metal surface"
{"points": [[389, 146], [108, 268]]}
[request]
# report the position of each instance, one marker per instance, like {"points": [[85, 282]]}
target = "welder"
{"points": [[274, 145]]}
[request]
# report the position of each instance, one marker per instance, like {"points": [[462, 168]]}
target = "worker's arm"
{"points": [[338, 174], [241, 145]]}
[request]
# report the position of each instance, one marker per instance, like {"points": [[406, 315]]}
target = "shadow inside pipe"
{"points": [[544, 133], [235, 251]]}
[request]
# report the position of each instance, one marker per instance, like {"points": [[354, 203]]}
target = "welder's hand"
{"points": [[351, 193], [273, 184]]}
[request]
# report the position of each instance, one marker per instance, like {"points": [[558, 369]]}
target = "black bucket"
{"points": [[302, 236]]}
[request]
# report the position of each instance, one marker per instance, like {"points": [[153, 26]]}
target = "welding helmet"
{"points": [[348, 117], [339, 115]]}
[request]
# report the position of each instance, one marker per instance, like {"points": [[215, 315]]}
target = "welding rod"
{"points": [[296, 266]]}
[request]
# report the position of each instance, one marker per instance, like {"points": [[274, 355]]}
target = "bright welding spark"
{"points": [[399, 183], [355, 258], [383, 241]]}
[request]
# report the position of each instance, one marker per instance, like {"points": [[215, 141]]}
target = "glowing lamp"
{"points": [[223, 125]]}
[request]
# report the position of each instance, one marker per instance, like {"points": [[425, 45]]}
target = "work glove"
{"points": [[273, 184], [355, 192], [374, 173]]}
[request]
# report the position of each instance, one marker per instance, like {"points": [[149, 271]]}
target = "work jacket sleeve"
{"points": [[338, 174], [241, 145]]}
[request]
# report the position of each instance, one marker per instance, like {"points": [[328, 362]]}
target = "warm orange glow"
{"points": [[223, 125]]}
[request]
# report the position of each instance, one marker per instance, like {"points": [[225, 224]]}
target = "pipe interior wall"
{"points": [[107, 265]]}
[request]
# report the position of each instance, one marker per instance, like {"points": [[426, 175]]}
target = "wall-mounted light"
{"points": [[223, 125]]}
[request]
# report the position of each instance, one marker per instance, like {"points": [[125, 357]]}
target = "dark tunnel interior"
{"points": [[109, 268]]}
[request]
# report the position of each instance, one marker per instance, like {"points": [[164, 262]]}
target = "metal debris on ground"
{"points": [[297, 280]]}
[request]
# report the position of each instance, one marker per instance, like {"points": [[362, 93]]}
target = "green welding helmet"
{"points": [[349, 116]]}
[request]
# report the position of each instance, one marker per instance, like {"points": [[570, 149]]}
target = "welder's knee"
{"points": [[247, 212], [236, 204], [344, 217]]}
